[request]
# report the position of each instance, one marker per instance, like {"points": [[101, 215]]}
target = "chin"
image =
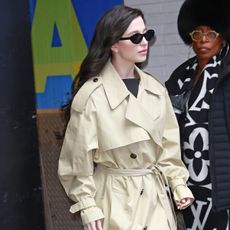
{"points": [[205, 57], [139, 60]]}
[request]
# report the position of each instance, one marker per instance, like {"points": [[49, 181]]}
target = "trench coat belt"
{"points": [[162, 188]]}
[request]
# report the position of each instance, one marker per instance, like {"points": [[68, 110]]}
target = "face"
{"points": [[204, 48], [128, 52]]}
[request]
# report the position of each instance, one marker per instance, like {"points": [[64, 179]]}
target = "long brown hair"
{"points": [[108, 31]]}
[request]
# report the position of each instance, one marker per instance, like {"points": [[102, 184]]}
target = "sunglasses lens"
{"points": [[136, 38], [149, 35]]}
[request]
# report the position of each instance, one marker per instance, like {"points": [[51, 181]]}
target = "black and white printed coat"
{"points": [[219, 132]]}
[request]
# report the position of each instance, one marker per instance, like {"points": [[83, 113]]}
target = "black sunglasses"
{"points": [[137, 38]]}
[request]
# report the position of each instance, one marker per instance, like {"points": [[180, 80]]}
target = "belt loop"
{"points": [[103, 190]]}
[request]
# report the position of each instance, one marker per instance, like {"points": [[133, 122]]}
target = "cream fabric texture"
{"points": [[115, 130]]}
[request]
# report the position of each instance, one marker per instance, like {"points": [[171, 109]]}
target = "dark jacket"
{"points": [[219, 133]]}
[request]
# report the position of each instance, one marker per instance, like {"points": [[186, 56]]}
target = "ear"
{"points": [[114, 48]]}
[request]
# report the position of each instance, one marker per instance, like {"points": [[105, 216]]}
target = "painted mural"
{"points": [[61, 32]]}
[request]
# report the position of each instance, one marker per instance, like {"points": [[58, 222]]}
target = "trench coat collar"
{"points": [[137, 114], [115, 88], [117, 92]]}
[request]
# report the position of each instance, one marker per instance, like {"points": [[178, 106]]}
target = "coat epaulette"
{"points": [[81, 98]]}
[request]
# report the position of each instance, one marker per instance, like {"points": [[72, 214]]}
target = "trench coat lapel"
{"points": [[137, 114], [117, 92], [115, 88]]}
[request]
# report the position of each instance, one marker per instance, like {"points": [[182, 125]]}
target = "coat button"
{"points": [[133, 155], [145, 228], [95, 79], [142, 190]]}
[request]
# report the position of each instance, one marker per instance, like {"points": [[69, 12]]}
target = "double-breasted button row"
{"points": [[142, 190], [133, 155]]}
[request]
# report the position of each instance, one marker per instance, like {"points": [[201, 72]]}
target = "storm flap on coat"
{"points": [[134, 142]]}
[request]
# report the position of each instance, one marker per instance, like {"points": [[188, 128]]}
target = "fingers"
{"points": [[94, 225], [91, 226], [99, 224], [184, 203]]}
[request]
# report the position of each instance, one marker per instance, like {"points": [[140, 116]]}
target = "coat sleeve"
{"points": [[170, 159], [76, 167]]}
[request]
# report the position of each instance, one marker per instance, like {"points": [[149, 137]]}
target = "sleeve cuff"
{"points": [[82, 204], [181, 192], [91, 214], [175, 183]]}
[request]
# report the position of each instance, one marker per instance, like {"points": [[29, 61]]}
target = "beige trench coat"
{"points": [[135, 143]]}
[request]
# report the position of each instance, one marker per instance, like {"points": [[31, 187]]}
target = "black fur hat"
{"points": [[213, 13]]}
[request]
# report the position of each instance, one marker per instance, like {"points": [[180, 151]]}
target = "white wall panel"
{"points": [[168, 51]]}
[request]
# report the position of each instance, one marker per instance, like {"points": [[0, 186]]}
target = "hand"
{"points": [[95, 225], [184, 203]]}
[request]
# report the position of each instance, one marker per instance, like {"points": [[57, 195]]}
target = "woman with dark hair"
{"points": [[121, 148], [200, 94]]}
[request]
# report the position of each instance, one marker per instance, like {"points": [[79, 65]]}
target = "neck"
{"points": [[124, 69], [201, 64]]}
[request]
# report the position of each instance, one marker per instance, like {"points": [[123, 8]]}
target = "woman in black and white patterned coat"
{"points": [[200, 93]]}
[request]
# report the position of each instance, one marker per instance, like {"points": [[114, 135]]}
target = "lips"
{"points": [[203, 50], [143, 51]]}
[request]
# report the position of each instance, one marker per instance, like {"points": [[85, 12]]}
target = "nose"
{"points": [[144, 41], [204, 38]]}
